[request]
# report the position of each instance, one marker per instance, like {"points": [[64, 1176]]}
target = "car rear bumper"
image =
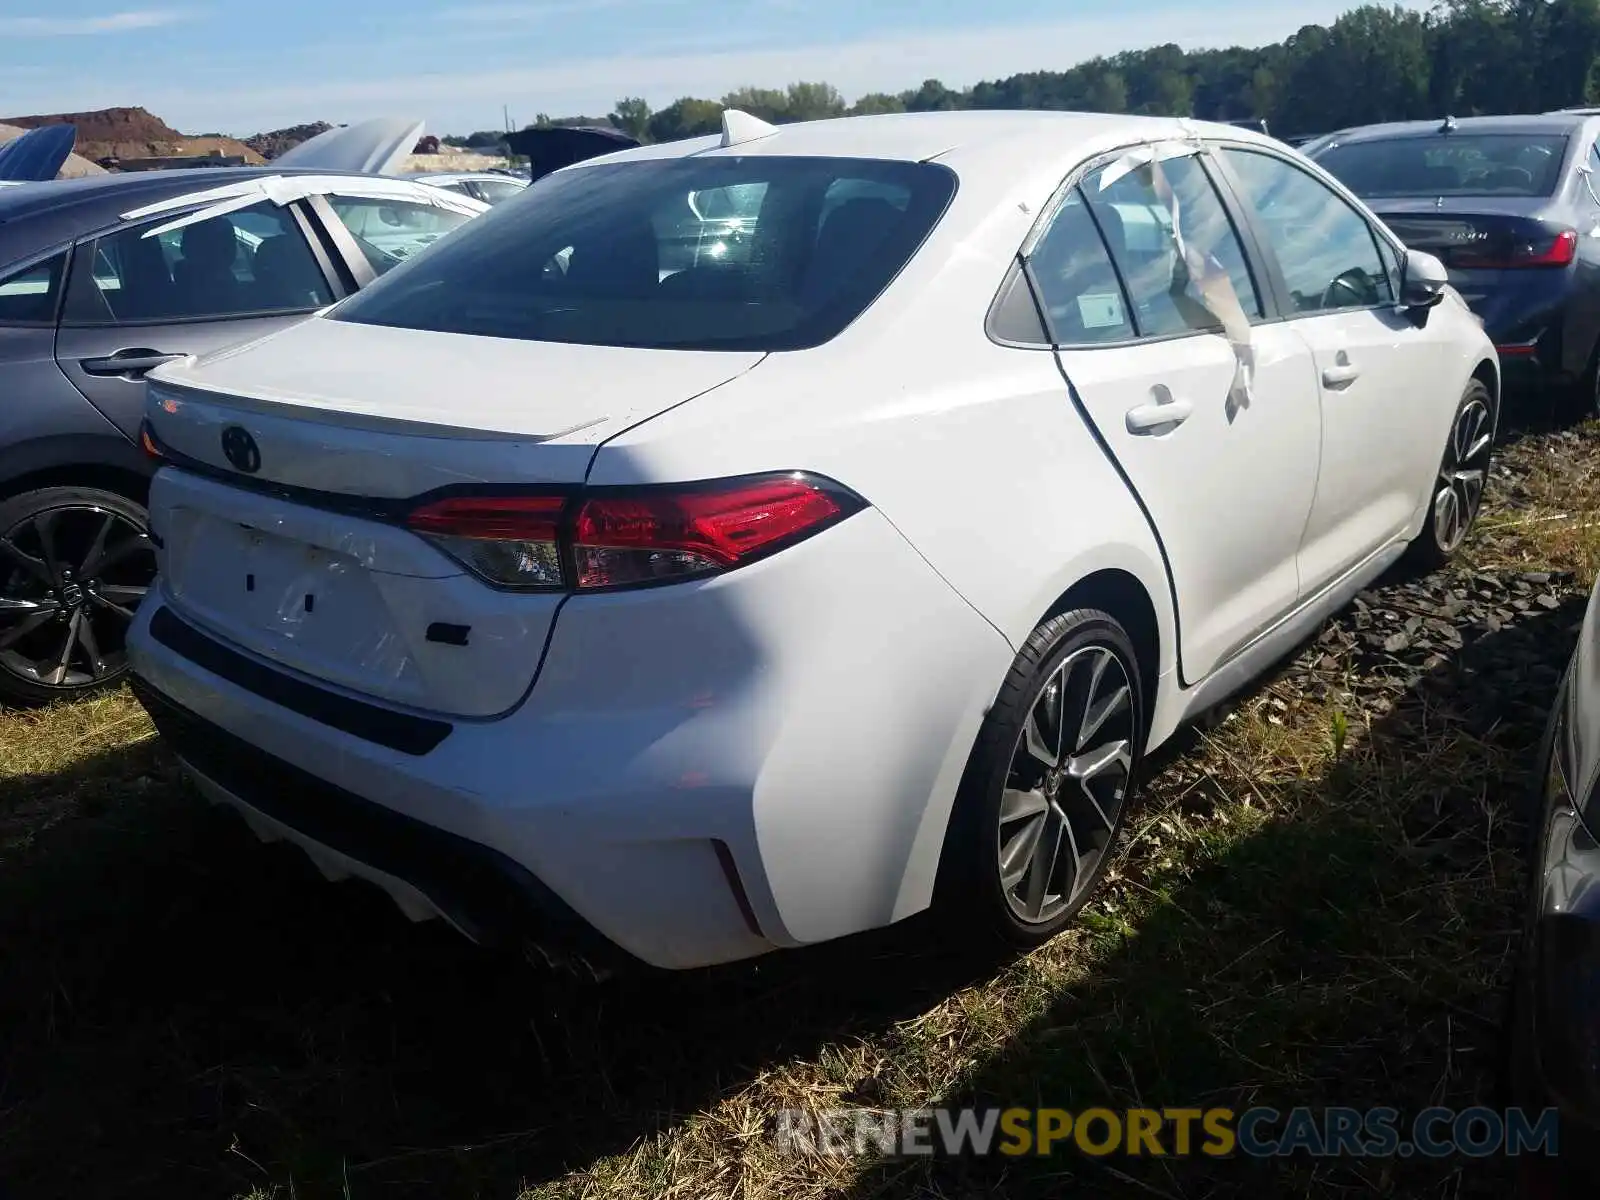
{"points": [[701, 773]]}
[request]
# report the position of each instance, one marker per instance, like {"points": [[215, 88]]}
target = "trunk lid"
{"points": [[1474, 237], [371, 411], [304, 560]]}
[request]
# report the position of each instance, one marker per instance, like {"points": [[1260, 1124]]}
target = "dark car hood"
{"points": [[561, 146], [38, 154]]}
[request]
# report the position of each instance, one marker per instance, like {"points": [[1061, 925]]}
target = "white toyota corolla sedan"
{"points": [[739, 543]]}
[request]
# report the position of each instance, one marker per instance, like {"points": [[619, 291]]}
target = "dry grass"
{"points": [[1317, 906]]}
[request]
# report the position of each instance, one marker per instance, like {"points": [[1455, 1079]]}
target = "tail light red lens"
{"points": [[639, 539], [1550, 251], [626, 538], [511, 541]]}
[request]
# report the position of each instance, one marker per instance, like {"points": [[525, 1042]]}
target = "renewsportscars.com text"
{"points": [[1175, 1132]]}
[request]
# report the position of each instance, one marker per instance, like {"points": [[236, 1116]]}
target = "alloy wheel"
{"points": [[1462, 475], [1067, 782], [71, 578]]}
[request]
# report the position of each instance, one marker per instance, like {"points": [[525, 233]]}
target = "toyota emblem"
{"points": [[240, 449]]}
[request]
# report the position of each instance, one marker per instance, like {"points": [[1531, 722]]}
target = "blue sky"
{"points": [[241, 68]]}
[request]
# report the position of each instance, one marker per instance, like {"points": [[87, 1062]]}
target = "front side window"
{"points": [[1170, 235], [764, 252], [28, 296], [1328, 252], [1449, 164], [391, 231], [253, 261]]}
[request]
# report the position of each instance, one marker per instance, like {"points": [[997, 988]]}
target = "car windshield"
{"points": [[1449, 164], [715, 253]]}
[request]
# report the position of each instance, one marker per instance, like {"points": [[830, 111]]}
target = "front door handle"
{"points": [[131, 363], [1342, 375], [1147, 418]]}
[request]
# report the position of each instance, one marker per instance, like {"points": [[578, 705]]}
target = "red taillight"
{"points": [[512, 541], [645, 537], [1557, 251], [147, 443], [495, 518], [625, 537]]}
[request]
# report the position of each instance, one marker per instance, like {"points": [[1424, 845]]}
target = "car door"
{"points": [[1375, 367], [136, 298], [1217, 436]]}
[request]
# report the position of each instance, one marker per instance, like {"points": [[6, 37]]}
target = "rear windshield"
{"points": [[714, 253], [1450, 164]]}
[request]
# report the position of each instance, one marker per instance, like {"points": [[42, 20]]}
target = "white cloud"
{"points": [[455, 100], [122, 22]]}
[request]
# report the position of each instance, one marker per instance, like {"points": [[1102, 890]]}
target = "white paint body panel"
{"points": [[813, 711], [1230, 487], [1381, 432]]}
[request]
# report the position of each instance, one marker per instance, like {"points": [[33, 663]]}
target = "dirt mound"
{"points": [[133, 133], [281, 141], [107, 125]]}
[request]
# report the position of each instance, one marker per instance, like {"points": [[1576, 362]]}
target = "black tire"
{"points": [[1064, 652], [1432, 547], [74, 564]]}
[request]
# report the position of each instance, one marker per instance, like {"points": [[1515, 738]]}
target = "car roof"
{"points": [[37, 216], [1526, 124], [967, 140], [121, 191], [457, 176]]}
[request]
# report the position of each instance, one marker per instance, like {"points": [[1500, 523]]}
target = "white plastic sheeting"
{"points": [[286, 189], [1207, 275]]}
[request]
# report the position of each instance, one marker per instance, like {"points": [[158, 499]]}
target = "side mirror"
{"points": [[1422, 280]]}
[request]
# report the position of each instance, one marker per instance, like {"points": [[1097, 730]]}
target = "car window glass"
{"points": [[1328, 252], [246, 262], [710, 227], [682, 253], [1454, 163], [391, 231], [28, 296], [1078, 286], [494, 191], [1169, 234]]}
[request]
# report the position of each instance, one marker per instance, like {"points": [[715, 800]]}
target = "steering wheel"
{"points": [[1352, 289]]}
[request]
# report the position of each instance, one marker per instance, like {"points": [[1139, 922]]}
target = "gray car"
{"points": [[102, 279]]}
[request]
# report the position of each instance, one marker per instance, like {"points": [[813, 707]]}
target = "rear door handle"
{"points": [[1341, 376], [1148, 417], [128, 362]]}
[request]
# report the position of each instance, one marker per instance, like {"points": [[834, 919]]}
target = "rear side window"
{"points": [[716, 253], [1139, 212], [246, 262], [390, 231], [29, 296], [1078, 286]]}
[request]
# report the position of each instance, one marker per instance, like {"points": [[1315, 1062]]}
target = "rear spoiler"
{"points": [[559, 146]]}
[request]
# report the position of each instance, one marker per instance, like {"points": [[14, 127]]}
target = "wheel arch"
{"points": [[75, 460], [1121, 594]]}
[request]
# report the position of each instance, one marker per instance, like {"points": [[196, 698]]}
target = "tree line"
{"points": [[1375, 63]]}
